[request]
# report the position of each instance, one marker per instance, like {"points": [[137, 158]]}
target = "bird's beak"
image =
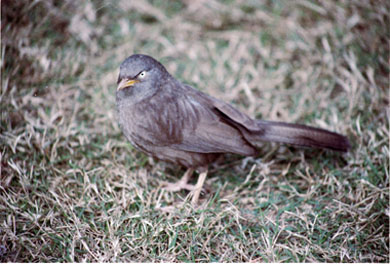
{"points": [[126, 83]]}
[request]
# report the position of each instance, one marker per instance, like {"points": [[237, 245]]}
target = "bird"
{"points": [[174, 122]]}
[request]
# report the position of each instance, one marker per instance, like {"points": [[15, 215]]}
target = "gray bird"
{"points": [[174, 122]]}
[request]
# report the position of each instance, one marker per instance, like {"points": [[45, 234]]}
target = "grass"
{"points": [[73, 189]]}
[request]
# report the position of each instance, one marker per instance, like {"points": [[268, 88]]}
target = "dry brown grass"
{"points": [[73, 189]]}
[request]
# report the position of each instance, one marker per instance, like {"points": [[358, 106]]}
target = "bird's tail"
{"points": [[300, 135]]}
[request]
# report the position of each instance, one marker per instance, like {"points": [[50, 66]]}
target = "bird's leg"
{"points": [[198, 188], [182, 183]]}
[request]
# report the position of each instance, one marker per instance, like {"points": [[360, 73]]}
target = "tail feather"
{"points": [[300, 135]]}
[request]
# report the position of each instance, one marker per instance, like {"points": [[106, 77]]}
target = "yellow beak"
{"points": [[126, 83]]}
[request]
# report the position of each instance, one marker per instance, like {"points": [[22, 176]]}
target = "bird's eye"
{"points": [[142, 74]]}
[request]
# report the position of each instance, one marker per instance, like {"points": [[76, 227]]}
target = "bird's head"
{"points": [[140, 75]]}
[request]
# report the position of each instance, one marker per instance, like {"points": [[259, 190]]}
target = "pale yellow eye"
{"points": [[142, 75]]}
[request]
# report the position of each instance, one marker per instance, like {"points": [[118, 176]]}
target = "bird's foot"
{"points": [[181, 184], [178, 186], [195, 191]]}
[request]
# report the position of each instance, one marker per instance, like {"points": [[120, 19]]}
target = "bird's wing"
{"points": [[206, 129]]}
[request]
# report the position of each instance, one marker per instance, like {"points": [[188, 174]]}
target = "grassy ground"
{"points": [[73, 189]]}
